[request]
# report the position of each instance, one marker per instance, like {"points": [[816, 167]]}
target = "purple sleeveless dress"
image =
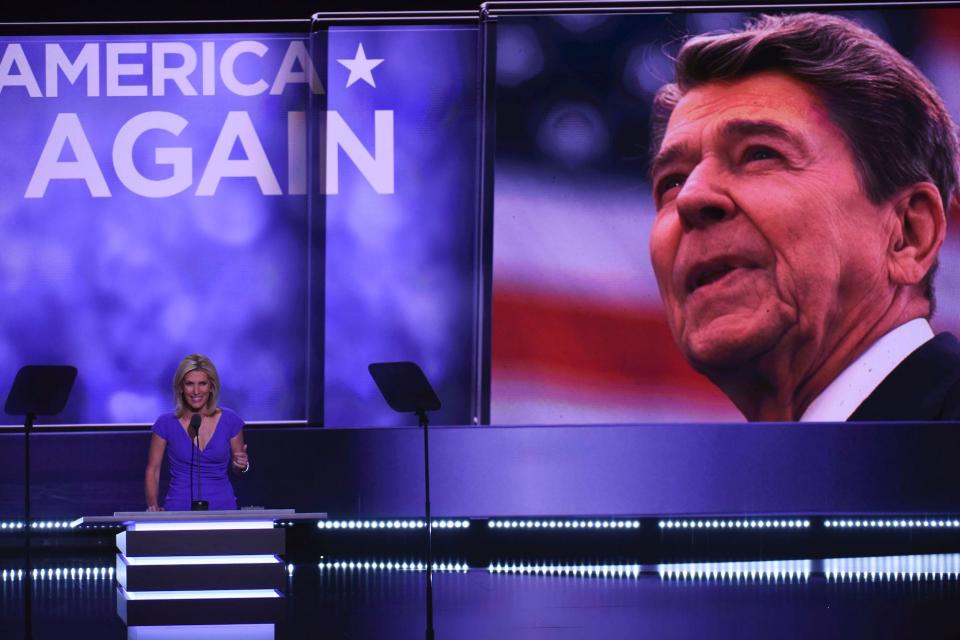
{"points": [[214, 485]]}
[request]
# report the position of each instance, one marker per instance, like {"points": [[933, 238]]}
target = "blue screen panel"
{"points": [[401, 259], [153, 205]]}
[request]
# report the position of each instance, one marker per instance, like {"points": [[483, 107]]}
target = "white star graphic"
{"points": [[361, 67]]}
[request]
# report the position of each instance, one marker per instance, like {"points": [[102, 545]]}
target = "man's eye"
{"points": [[755, 154], [674, 181]]}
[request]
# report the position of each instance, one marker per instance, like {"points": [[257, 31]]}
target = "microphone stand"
{"points": [[198, 504], [193, 452], [199, 490]]}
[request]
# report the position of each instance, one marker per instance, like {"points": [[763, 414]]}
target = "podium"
{"points": [[200, 567]]}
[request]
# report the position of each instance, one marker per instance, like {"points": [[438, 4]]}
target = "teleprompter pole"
{"points": [[27, 528], [425, 424]]}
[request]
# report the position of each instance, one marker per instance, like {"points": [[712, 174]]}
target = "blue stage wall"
{"points": [[518, 471]]}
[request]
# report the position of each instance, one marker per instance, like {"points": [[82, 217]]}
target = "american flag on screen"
{"points": [[579, 334]]}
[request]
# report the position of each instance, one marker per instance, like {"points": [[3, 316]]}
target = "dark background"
{"points": [[119, 10], [97, 10]]}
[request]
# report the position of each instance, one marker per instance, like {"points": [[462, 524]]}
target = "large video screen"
{"points": [[299, 205], [579, 329], [293, 205]]}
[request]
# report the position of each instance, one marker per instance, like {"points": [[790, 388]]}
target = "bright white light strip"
{"points": [[48, 524], [213, 594], [147, 561], [735, 523], [580, 571], [12, 525], [892, 523], [61, 573], [387, 565], [391, 524], [766, 570], [896, 568], [210, 525], [617, 523]]}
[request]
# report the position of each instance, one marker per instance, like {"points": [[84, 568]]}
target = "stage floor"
{"points": [[899, 597]]}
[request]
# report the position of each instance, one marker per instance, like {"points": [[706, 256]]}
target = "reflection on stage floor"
{"points": [[357, 598]]}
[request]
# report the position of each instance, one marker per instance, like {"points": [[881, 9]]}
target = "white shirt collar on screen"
{"points": [[848, 390]]}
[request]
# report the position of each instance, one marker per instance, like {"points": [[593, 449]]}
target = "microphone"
{"points": [[194, 429], [195, 421]]}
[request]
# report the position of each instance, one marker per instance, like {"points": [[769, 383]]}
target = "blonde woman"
{"points": [[199, 458]]}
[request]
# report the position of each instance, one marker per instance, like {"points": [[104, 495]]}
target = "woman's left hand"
{"points": [[240, 460]]}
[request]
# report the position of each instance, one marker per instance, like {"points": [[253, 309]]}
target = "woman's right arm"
{"points": [[151, 482]]}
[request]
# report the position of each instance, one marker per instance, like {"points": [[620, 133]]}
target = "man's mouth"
{"points": [[713, 270]]}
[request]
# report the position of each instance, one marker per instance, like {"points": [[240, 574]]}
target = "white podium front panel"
{"points": [[200, 567]]}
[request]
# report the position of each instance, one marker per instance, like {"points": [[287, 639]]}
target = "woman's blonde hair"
{"points": [[196, 362]]}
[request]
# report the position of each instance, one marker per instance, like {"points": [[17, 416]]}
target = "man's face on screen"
{"points": [[763, 237]]}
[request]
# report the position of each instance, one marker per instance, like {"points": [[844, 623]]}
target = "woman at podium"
{"points": [[202, 441]]}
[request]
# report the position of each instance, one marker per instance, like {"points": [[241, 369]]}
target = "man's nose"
{"points": [[703, 199]]}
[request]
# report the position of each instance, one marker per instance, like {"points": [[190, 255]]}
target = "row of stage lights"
{"points": [[579, 570], [73, 573], [751, 571], [885, 569], [743, 524], [392, 524], [748, 571], [735, 524], [893, 568], [891, 524], [388, 565], [837, 570], [13, 525], [568, 524], [931, 567], [563, 524]]}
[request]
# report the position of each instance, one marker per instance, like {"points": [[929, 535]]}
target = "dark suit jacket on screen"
{"points": [[925, 386]]}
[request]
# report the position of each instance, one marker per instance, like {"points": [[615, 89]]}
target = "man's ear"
{"points": [[917, 234]]}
